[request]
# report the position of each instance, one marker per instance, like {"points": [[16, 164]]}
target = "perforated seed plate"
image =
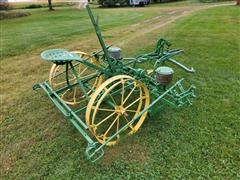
{"points": [[59, 55]]}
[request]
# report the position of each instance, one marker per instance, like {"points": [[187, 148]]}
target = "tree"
{"points": [[4, 5], [50, 5]]}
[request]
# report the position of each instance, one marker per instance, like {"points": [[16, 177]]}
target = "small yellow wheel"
{"points": [[57, 79], [114, 104]]}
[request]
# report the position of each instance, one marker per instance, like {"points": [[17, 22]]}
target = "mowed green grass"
{"points": [[201, 141], [43, 28]]}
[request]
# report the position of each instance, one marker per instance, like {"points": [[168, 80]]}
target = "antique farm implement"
{"points": [[106, 96]]}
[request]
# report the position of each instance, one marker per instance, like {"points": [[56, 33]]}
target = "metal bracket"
{"points": [[93, 152], [36, 86]]}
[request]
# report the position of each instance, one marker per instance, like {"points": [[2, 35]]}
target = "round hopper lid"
{"points": [[164, 70], [114, 49]]}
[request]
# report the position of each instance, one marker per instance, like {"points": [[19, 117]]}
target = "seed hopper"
{"points": [[106, 96]]}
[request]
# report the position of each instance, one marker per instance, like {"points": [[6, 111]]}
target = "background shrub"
{"points": [[113, 3], [31, 6]]}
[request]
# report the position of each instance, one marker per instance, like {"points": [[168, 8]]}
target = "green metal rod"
{"points": [[61, 103], [191, 70], [66, 111], [79, 82], [166, 100], [96, 53], [80, 110], [99, 35], [92, 65], [84, 134]]}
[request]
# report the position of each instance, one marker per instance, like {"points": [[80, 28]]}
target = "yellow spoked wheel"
{"points": [[57, 79], [114, 104]]}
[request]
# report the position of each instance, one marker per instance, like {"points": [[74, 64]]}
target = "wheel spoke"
{"points": [[118, 136], [101, 99], [129, 110], [74, 95], [105, 119], [131, 126], [82, 72], [123, 90], [63, 82], [129, 95], [57, 72], [103, 109], [89, 75], [132, 103], [111, 97], [117, 125], [114, 121], [63, 94], [79, 68]]}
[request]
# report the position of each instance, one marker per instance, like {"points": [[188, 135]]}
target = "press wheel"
{"points": [[114, 104], [57, 79]]}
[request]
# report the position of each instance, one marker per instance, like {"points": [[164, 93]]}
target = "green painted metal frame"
{"points": [[174, 96]]}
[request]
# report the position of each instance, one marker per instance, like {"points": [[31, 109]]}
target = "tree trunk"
{"points": [[238, 2], [50, 5]]}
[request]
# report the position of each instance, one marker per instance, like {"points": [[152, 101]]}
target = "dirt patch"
{"points": [[161, 21], [8, 154], [6, 162], [129, 152], [11, 15]]}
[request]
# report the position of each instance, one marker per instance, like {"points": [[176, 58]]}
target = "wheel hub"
{"points": [[120, 110]]}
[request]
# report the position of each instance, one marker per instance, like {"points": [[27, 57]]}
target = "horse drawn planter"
{"points": [[110, 92]]}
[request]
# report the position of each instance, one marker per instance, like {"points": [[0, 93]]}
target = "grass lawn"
{"points": [[43, 28], [201, 141]]}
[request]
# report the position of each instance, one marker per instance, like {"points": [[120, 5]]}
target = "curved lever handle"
{"points": [[190, 70]]}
